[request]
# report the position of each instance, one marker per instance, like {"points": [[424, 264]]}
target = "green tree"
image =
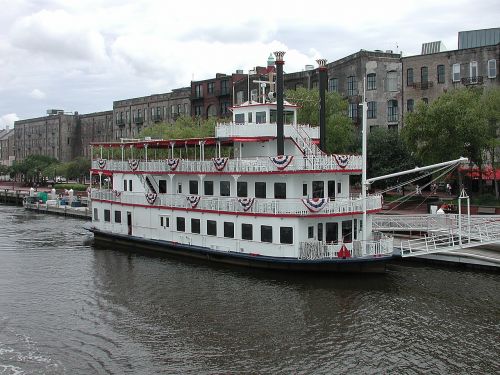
{"points": [[340, 132], [387, 153], [490, 107], [450, 127], [30, 169], [184, 127]]}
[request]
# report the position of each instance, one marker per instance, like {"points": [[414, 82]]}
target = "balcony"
{"points": [[318, 163], [222, 92], [197, 96], [291, 206], [120, 121], [138, 120], [157, 118], [475, 80], [423, 85]]}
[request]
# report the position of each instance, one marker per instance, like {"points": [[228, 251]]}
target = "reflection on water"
{"points": [[66, 307]]}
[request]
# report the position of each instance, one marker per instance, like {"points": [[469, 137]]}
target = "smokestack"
{"points": [[280, 133], [322, 106]]}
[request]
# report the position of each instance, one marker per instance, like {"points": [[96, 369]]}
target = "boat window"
{"points": [[320, 231], [331, 189], [208, 187], [124, 185], [332, 232], [164, 221], [260, 117], [242, 189], [195, 226], [118, 216], [179, 188], [260, 190], [286, 235], [96, 214], [193, 187], [249, 117], [266, 233], [279, 190], [339, 188], [310, 232], [225, 189], [246, 232], [347, 231], [162, 184], [318, 189], [129, 185], [107, 215], [355, 231], [211, 227], [181, 224], [304, 190], [239, 118], [228, 229], [287, 116]]}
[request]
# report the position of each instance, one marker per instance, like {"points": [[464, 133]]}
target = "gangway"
{"points": [[443, 233]]}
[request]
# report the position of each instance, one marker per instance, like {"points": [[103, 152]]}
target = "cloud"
{"points": [[37, 94], [8, 120]]}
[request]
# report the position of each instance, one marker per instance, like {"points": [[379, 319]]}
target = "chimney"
{"points": [[280, 133], [322, 105]]}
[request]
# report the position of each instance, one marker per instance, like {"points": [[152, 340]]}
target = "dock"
{"points": [[62, 210]]}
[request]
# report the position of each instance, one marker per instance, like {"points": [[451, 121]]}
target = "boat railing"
{"points": [[314, 250], [237, 165], [294, 206], [231, 129]]}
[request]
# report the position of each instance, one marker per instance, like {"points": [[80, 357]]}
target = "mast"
{"points": [[363, 167], [322, 106]]}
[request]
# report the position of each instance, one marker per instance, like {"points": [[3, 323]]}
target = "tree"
{"points": [[490, 107], [184, 127], [340, 132], [387, 153], [450, 127], [30, 169]]}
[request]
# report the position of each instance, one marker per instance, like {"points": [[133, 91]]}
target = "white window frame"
{"points": [[454, 71], [492, 68]]}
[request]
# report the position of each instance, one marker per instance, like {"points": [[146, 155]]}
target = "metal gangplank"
{"points": [[442, 233]]}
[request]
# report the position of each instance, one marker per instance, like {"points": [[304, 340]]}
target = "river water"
{"points": [[69, 308]]}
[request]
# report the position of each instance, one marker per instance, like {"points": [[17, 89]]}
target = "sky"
{"points": [[81, 55]]}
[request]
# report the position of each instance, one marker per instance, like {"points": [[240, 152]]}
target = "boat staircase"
{"points": [[305, 143], [442, 233], [149, 183]]}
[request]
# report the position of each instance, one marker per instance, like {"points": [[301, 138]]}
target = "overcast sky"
{"points": [[80, 55]]}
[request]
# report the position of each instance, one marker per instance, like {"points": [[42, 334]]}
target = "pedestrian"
{"points": [[448, 188]]}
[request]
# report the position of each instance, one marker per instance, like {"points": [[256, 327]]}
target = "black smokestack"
{"points": [[280, 133], [322, 103]]}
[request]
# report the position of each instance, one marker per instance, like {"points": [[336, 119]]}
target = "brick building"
{"points": [[7, 146], [95, 127]]}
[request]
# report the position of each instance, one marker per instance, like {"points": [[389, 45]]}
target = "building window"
{"points": [[198, 91], [280, 190], [260, 190], [409, 77], [193, 187], [246, 232], [211, 227], [333, 85], [372, 110], [392, 111], [410, 103], [392, 80], [492, 68], [198, 110], [228, 229], [242, 189], [181, 224], [352, 86], [371, 81], [440, 73], [352, 111], [195, 226], [456, 72], [210, 88], [208, 187], [425, 100], [224, 108], [225, 189], [318, 189], [266, 233], [286, 235], [310, 232], [224, 87], [107, 215], [118, 216], [424, 75], [239, 97], [473, 71]]}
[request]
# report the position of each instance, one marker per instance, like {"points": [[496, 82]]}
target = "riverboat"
{"points": [[262, 193]]}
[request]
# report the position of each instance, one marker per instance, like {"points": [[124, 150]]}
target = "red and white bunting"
{"points": [[173, 163], [193, 200], [246, 203], [133, 163], [342, 160], [220, 163], [315, 204], [281, 161], [101, 163], [151, 197]]}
